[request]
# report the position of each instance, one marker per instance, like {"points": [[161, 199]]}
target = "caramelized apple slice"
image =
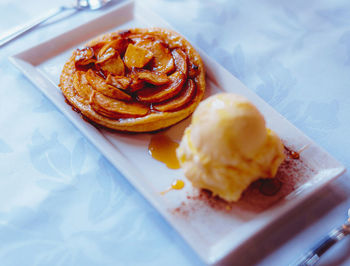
{"points": [[105, 53], [84, 56], [183, 98], [153, 77], [107, 48], [120, 82], [119, 45], [100, 85], [81, 85], [116, 109], [180, 60], [113, 40], [136, 85], [137, 56], [162, 60], [109, 59], [97, 45], [164, 92], [114, 65], [116, 93]]}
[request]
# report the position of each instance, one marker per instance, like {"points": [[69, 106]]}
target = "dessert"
{"points": [[227, 146], [136, 80]]}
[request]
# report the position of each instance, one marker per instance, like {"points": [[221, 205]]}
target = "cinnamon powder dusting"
{"points": [[260, 195]]}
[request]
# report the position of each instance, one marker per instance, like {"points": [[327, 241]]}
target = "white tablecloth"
{"points": [[62, 203]]}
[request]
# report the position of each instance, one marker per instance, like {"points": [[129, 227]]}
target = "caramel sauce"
{"points": [[163, 149], [294, 154], [177, 185]]}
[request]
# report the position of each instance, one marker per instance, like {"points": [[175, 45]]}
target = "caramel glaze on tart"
{"points": [[137, 80]]}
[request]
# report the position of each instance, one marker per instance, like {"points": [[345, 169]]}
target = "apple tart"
{"points": [[136, 80]]}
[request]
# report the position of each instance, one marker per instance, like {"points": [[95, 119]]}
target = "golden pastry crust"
{"points": [[137, 80]]}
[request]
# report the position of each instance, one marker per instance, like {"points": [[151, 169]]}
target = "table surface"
{"points": [[63, 203]]}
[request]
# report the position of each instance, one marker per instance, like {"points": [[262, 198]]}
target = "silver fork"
{"points": [[21, 29], [337, 234]]}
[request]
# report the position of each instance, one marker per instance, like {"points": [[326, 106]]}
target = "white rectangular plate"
{"points": [[213, 233]]}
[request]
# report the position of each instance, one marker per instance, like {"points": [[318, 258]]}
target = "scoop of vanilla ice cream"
{"points": [[227, 146]]}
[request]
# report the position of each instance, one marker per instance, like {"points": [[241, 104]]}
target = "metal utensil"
{"points": [[333, 237], [21, 29]]}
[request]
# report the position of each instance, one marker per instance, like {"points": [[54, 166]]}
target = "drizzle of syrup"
{"points": [[177, 185], [294, 154], [163, 149]]}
